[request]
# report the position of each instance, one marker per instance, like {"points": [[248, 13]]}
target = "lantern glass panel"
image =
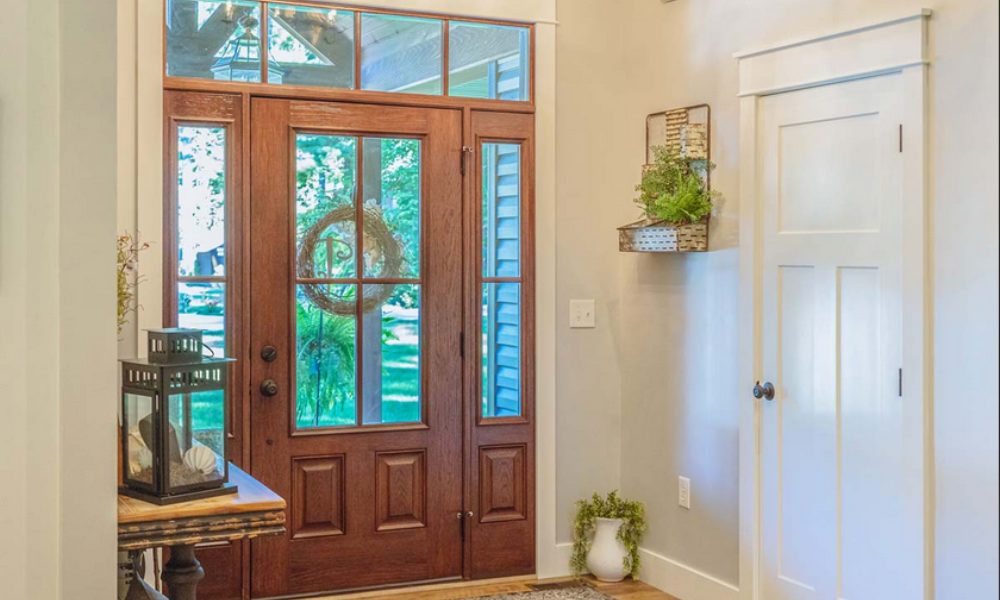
{"points": [[196, 438], [141, 433]]}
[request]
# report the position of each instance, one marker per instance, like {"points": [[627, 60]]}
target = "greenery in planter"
{"points": [[633, 516], [673, 188]]}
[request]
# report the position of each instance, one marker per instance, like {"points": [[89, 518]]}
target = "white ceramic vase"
{"points": [[606, 559]]}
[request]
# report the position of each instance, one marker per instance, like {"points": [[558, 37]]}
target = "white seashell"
{"points": [[201, 458]]}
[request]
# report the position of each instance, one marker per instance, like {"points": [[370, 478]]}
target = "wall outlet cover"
{"points": [[684, 492]]}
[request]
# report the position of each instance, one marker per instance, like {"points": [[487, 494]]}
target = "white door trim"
{"points": [[900, 46]]}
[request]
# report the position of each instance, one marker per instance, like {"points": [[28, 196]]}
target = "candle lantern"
{"points": [[174, 420]]}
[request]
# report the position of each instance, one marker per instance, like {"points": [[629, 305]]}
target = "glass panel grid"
{"points": [[310, 45], [501, 326], [358, 336], [402, 54], [488, 61]]}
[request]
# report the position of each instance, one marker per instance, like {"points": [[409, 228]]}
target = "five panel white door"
{"points": [[841, 489]]}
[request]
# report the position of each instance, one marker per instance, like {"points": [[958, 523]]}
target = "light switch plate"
{"points": [[581, 314]]}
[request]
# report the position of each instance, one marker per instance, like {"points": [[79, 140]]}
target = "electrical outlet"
{"points": [[684, 492], [581, 314]]}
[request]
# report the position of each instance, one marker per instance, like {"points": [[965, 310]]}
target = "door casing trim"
{"points": [[898, 45]]}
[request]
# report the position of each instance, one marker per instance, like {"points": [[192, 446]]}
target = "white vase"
{"points": [[606, 559]]}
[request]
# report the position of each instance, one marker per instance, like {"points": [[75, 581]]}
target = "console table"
{"points": [[253, 511]]}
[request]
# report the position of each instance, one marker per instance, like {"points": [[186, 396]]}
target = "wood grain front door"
{"points": [[355, 327]]}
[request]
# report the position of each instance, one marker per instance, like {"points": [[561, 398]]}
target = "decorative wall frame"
{"points": [[686, 131]]}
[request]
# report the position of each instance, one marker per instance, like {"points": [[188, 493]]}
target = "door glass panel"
{"points": [[501, 210], [401, 54], [391, 354], [201, 201], [501, 350], [310, 46], [325, 356], [213, 39], [325, 216], [392, 207], [488, 61]]}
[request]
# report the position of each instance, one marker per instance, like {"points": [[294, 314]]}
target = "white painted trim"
{"points": [[681, 580], [924, 12], [899, 45], [860, 52]]}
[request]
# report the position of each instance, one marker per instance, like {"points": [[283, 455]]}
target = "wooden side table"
{"points": [[253, 511]]}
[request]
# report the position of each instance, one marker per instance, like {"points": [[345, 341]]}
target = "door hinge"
{"points": [[900, 382], [464, 156], [900, 137]]}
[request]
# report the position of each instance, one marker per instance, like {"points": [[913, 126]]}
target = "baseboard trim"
{"points": [[683, 581]]}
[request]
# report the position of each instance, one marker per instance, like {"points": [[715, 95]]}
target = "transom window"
{"points": [[291, 44]]}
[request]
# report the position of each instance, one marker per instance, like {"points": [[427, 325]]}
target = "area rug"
{"points": [[576, 592]]}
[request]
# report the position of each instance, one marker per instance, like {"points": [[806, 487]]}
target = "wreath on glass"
{"points": [[387, 247]]}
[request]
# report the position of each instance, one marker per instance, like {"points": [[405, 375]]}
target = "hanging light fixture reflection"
{"points": [[240, 59]]}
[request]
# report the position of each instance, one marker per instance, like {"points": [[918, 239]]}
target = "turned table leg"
{"points": [[182, 573]]}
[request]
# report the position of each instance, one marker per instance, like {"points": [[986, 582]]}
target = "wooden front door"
{"points": [[355, 325]]}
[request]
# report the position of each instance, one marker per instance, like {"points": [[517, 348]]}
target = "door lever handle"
{"points": [[765, 391]]}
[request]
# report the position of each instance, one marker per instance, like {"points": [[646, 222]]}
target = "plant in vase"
{"points": [[606, 535], [673, 188]]}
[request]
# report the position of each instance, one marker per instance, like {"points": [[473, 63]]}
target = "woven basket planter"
{"points": [[660, 236]]}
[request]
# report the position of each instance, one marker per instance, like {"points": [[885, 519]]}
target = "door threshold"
{"points": [[411, 587]]}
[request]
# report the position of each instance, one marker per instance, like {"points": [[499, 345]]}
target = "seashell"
{"points": [[201, 458]]}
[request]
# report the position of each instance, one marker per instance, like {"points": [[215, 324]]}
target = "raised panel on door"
{"points": [[356, 256], [841, 452]]}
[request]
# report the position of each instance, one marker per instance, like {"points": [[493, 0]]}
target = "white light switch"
{"points": [[581, 313]]}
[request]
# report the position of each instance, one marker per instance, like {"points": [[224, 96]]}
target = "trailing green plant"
{"points": [[129, 248], [673, 188], [633, 516]]}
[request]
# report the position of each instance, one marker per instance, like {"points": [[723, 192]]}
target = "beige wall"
{"points": [[57, 348], [677, 338]]}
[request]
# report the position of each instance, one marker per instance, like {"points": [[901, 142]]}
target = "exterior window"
{"points": [[401, 54], [201, 232], [501, 350], [488, 61], [308, 44]]}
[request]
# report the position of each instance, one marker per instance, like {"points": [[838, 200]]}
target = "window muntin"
{"points": [[333, 47], [488, 61], [500, 315], [358, 314]]}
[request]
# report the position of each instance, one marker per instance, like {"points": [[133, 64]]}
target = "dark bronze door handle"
{"points": [[269, 353], [268, 388], [765, 391]]}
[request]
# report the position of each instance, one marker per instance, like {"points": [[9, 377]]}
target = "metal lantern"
{"points": [[240, 58], [174, 420]]}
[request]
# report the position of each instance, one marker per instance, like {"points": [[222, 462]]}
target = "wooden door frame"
{"points": [[239, 242], [895, 46]]}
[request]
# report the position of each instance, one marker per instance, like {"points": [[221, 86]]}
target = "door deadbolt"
{"points": [[765, 391], [269, 353]]}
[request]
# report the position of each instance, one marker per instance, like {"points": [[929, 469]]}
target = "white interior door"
{"points": [[841, 494]]}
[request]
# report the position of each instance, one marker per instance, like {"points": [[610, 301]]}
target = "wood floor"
{"points": [[626, 590]]}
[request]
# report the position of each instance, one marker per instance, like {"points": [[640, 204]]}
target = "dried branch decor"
{"points": [[386, 246]]}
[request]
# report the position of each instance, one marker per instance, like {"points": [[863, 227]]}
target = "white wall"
{"points": [[678, 351], [57, 348]]}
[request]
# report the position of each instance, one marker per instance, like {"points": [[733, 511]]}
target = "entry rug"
{"points": [[576, 592]]}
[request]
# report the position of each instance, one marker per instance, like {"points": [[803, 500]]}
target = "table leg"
{"points": [[182, 573]]}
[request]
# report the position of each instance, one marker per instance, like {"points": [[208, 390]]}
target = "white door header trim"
{"points": [[873, 49]]}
